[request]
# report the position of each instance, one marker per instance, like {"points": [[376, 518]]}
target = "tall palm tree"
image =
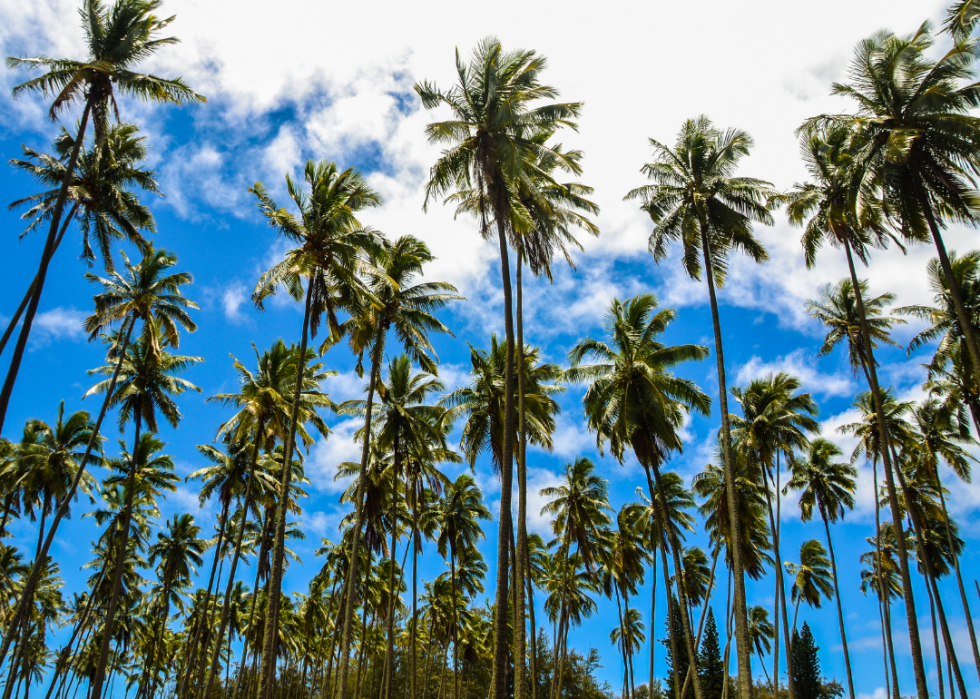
{"points": [[578, 505], [103, 202], [146, 383], [147, 291], [775, 421], [458, 516], [697, 200], [811, 577], [331, 244], [490, 143], [881, 576], [762, 633], [629, 636], [117, 38], [827, 486], [264, 413], [634, 400]]}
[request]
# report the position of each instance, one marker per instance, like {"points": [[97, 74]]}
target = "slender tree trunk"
{"points": [[653, 607], [226, 609], [96, 692], [884, 649], [506, 472], [622, 643], [267, 676], [533, 628], [390, 621], [360, 651], [429, 654], [883, 598], [42, 272], [704, 614], [251, 618], [671, 610], [27, 592], [780, 588], [559, 660], [891, 649], [742, 643], [415, 592], [520, 572], [916, 648], [64, 662], [452, 568], [377, 352], [840, 612], [935, 643]]}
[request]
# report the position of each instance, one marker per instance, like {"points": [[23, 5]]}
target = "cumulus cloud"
{"points": [[803, 365], [339, 447], [232, 299], [58, 324]]}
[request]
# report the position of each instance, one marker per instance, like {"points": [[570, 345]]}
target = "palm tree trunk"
{"points": [[622, 642], [884, 648], [46, 255], [442, 675], [629, 647], [780, 588], [251, 619], [428, 655], [670, 616], [64, 662], [226, 609], [520, 571], [27, 591], [452, 568], [653, 611], [360, 651], [390, 621], [377, 352], [666, 529], [884, 599], [948, 640], [415, 591], [742, 644], [533, 628], [935, 643], [868, 350], [704, 615], [840, 613], [96, 691], [267, 675], [506, 471], [30, 289], [558, 660]]}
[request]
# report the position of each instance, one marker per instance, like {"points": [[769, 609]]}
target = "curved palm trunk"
{"points": [[42, 272], [506, 470], [520, 572], [884, 649], [226, 608], [377, 353], [629, 645], [742, 645], [653, 614], [780, 590], [671, 610], [935, 644], [251, 618], [64, 661], [267, 676], [913, 623], [622, 643], [27, 592], [840, 612], [97, 682], [884, 601], [704, 615]]}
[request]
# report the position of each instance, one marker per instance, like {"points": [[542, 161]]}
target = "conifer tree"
{"points": [[806, 665], [709, 661], [675, 626]]}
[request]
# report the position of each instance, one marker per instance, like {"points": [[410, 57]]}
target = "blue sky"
{"points": [[304, 84]]}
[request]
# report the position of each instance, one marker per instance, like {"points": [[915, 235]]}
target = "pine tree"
{"points": [[806, 665], [682, 660], [712, 670]]}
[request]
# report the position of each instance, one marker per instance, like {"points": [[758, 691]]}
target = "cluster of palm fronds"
{"points": [[897, 170]]}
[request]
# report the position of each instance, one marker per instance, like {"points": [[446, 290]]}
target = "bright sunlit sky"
{"points": [[293, 80]]}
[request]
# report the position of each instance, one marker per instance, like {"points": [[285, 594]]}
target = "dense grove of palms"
{"points": [[175, 607]]}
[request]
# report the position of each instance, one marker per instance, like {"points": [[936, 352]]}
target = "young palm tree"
{"points": [[146, 384], [458, 515], [628, 637], [332, 244], [634, 400], [118, 39], [881, 576], [697, 200], [147, 292], [490, 145], [811, 577], [762, 633], [827, 486]]}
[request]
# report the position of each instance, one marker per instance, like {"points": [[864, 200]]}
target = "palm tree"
{"points": [[102, 202], [775, 420], [264, 412], [145, 292], [827, 486], [177, 554], [579, 505], [634, 400], [118, 39], [697, 200], [458, 515], [628, 637], [490, 145], [330, 253], [762, 633], [811, 577]]}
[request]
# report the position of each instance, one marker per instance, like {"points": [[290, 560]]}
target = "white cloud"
{"points": [[538, 479], [878, 693], [803, 365], [339, 447], [232, 300], [58, 324]]}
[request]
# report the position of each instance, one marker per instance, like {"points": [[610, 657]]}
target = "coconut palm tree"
{"points": [[147, 292], [635, 400], [827, 486], [490, 144], [762, 633], [628, 637], [332, 245], [811, 577], [697, 200], [146, 383], [117, 38], [881, 575]]}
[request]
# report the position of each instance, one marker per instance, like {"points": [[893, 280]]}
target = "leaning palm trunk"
{"points": [[27, 592], [267, 674], [671, 610], [64, 662], [871, 371], [742, 644], [558, 662], [653, 608], [46, 255], [667, 531], [840, 612], [780, 590], [520, 571], [226, 608], [704, 615], [343, 672], [935, 644], [97, 682]]}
